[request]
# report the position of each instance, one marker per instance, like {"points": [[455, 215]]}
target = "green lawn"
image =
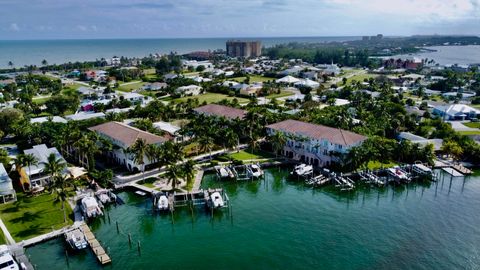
{"points": [[359, 78], [41, 100], [375, 165], [3, 241], [253, 79], [281, 94], [477, 106], [149, 182], [473, 132], [472, 124], [129, 87], [33, 216], [212, 98], [248, 154]]}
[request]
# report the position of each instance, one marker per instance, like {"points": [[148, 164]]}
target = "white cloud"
{"points": [[14, 27], [417, 10]]}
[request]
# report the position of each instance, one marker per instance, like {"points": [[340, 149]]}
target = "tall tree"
{"points": [[60, 186], [278, 141], [139, 151], [53, 167]]}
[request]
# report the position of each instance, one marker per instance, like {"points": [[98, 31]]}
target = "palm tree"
{"points": [[278, 141], [139, 151], [10, 64], [188, 171], [206, 143], [173, 173], [28, 160], [60, 189], [53, 166]]}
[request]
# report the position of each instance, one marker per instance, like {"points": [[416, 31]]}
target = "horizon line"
{"points": [[230, 37]]}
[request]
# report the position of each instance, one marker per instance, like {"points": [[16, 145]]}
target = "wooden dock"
{"points": [[97, 249], [461, 168]]}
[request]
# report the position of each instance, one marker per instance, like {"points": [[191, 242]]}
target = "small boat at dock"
{"points": [[399, 175], [90, 207], [162, 202], [216, 200], [105, 196], [302, 170], [76, 239], [255, 171]]}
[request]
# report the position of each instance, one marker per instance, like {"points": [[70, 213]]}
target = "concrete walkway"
{"points": [[8, 236], [198, 180]]}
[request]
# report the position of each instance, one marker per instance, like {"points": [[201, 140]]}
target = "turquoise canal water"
{"points": [[278, 224]]}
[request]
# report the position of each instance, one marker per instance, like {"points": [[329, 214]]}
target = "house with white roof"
{"points": [[54, 119], [456, 112], [172, 130], [156, 86], [307, 83], [189, 90], [288, 80], [7, 193], [194, 64], [35, 173]]}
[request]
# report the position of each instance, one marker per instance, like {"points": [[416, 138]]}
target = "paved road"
{"points": [[120, 179]]}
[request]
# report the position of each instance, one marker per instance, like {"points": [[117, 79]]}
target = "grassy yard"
{"points": [[472, 124], [149, 182], [281, 94], [33, 216], [253, 79], [212, 98], [360, 78], [473, 132], [477, 106], [375, 165], [40, 100], [3, 241], [249, 154], [129, 87]]}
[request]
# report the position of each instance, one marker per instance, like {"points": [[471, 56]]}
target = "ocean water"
{"points": [[450, 55], [32, 52], [279, 224]]}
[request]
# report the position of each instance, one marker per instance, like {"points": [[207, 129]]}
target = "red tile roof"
{"points": [[126, 134], [333, 135], [220, 110]]}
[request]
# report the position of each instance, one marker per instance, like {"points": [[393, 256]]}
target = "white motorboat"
{"points": [[90, 207], [255, 171], [76, 239], [6, 259], [302, 170], [105, 196], [223, 172], [162, 202], [216, 200], [230, 172], [399, 174]]}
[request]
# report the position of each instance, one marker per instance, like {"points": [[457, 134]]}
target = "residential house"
{"points": [[54, 119], [288, 80], [315, 144], [172, 130], [221, 111], [35, 174], [307, 83], [456, 112], [122, 136], [251, 90], [7, 193], [189, 90], [156, 86], [407, 136]]}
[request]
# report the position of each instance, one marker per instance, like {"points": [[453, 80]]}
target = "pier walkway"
{"points": [[6, 233], [97, 249], [198, 180]]}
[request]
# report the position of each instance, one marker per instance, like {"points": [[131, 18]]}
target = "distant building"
{"points": [[188, 90], [316, 144], [456, 112], [237, 48], [172, 130], [221, 111]]}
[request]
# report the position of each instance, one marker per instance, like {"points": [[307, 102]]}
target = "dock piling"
{"points": [[118, 230], [139, 247], [129, 239]]}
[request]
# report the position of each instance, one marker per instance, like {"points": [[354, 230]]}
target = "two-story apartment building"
{"points": [[122, 136], [315, 144]]}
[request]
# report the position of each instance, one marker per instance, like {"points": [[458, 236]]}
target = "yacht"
{"points": [[216, 200], [76, 239], [162, 202], [6, 260], [255, 171], [302, 170], [90, 207]]}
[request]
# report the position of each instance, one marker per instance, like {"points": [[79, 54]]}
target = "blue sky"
{"points": [[46, 19]]}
